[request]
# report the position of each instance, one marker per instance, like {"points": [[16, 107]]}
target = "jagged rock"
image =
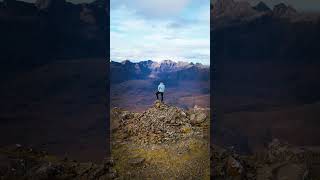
{"points": [[183, 114], [200, 118], [192, 117], [46, 170], [278, 151], [99, 171], [126, 115], [157, 104], [158, 124]]}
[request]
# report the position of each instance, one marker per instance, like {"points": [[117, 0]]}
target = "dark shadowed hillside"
{"points": [[37, 33], [53, 76], [266, 78], [246, 33]]}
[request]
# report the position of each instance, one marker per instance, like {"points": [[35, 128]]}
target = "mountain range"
{"points": [[230, 12], [49, 29], [166, 70], [243, 31], [133, 84]]}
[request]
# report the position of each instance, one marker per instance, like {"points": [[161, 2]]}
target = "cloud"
{"points": [[153, 8], [183, 37]]}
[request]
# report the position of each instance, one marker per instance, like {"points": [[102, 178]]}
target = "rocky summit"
{"points": [[160, 124], [162, 142]]}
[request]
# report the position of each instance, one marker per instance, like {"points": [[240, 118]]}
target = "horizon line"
{"points": [[176, 61]]}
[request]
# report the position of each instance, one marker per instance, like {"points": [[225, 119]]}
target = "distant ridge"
{"points": [[166, 69], [50, 29], [230, 12], [247, 32]]}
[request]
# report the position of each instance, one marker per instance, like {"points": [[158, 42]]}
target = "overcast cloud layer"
{"points": [[160, 29]]}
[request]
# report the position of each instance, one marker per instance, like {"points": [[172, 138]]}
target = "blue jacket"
{"points": [[161, 87]]}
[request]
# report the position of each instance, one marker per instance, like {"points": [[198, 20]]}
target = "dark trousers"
{"points": [[157, 94]]}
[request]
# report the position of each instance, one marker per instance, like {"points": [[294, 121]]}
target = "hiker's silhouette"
{"points": [[161, 88]]}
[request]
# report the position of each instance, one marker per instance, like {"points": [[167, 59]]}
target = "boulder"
{"points": [[198, 118], [157, 104]]}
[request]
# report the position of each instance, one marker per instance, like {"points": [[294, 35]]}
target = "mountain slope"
{"points": [[266, 78]]}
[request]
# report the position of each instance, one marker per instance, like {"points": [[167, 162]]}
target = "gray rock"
{"points": [[46, 171], [192, 117], [201, 117]]}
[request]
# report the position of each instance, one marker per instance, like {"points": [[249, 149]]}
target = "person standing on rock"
{"points": [[160, 91]]}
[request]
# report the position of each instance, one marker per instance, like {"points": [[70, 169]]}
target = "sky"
{"points": [[158, 30]]}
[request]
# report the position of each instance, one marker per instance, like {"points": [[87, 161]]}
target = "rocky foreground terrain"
{"points": [[162, 142], [19, 162], [165, 142], [279, 161]]}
